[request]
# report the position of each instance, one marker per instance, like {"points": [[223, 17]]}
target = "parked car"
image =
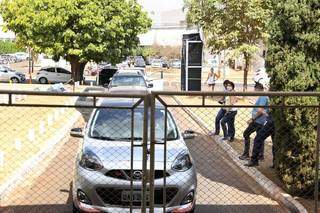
{"points": [[261, 76], [21, 56], [156, 63], [102, 177], [53, 75], [139, 62], [7, 74], [176, 63], [128, 81]]}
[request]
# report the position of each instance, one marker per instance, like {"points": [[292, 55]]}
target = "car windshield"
{"points": [[128, 81], [115, 124]]}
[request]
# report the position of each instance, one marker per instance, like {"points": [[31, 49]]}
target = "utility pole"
{"points": [[30, 65]]}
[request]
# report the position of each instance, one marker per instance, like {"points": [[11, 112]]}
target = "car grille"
{"points": [[112, 196], [126, 174]]}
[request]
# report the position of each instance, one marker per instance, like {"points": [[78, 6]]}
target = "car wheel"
{"points": [[43, 80], [14, 80]]}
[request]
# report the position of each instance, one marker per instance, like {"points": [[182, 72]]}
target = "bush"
{"points": [[293, 63], [7, 47]]}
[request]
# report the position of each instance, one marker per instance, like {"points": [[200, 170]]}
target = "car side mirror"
{"points": [[150, 85], [76, 132], [188, 134]]}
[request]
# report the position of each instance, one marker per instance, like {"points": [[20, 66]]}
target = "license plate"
{"points": [[136, 196]]}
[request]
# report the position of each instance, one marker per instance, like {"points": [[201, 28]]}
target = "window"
{"points": [[115, 124], [128, 81], [60, 70], [50, 70]]}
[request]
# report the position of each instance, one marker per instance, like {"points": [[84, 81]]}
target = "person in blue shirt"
{"points": [[258, 119]]}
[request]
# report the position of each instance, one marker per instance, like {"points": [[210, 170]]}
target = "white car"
{"points": [[261, 76], [53, 75], [156, 63], [7, 74], [21, 56]]}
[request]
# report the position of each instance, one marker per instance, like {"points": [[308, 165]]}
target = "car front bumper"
{"points": [[92, 183]]}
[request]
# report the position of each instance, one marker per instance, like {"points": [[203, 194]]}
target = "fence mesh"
{"points": [[44, 169]]}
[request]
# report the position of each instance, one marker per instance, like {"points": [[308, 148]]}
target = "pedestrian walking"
{"points": [[267, 130], [221, 112], [227, 122], [213, 76], [258, 119]]}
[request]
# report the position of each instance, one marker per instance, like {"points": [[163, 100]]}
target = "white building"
{"points": [[168, 25], [6, 36]]}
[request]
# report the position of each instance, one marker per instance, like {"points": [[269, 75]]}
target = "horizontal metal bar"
{"points": [[62, 106], [193, 93], [242, 106], [73, 94]]}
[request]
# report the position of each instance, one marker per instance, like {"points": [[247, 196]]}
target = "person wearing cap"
{"points": [[221, 112], [258, 119], [227, 122]]}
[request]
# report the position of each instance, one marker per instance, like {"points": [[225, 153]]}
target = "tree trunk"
{"points": [[246, 70], [77, 68]]}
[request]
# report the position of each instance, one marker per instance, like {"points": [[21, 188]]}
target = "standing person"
{"points": [[221, 112], [258, 143], [227, 122], [213, 76], [258, 119]]}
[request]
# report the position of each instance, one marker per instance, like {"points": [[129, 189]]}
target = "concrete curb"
{"points": [[271, 188], [18, 177]]}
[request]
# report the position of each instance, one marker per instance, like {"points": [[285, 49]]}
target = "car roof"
{"points": [[129, 72], [123, 102]]}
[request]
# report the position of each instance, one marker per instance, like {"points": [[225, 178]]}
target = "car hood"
{"points": [[117, 154]]}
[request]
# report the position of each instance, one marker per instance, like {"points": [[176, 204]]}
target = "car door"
{"points": [[63, 75], [3, 74], [50, 74]]}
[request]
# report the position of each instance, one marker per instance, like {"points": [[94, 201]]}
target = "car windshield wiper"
{"points": [[103, 138], [130, 138]]}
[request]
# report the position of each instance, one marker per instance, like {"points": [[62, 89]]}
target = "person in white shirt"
{"points": [[213, 76], [227, 122]]}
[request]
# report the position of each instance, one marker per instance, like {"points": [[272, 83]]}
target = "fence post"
{"points": [[316, 190], [145, 153], [152, 151]]}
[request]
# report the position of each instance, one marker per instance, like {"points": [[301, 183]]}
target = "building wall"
{"points": [[5, 35]]}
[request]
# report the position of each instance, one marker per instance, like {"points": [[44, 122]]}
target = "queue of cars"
{"points": [[103, 168]]}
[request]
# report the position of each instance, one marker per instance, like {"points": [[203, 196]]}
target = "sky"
{"points": [[161, 5]]}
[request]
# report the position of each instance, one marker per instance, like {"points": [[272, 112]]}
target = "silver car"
{"points": [[103, 167]]}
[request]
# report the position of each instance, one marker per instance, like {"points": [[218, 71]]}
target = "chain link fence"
{"points": [[108, 163]]}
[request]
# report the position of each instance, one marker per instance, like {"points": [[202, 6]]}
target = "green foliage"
{"points": [[238, 25], [7, 47], [79, 30], [293, 62]]}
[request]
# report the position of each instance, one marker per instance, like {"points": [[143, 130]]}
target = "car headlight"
{"points": [[182, 162], [90, 161]]}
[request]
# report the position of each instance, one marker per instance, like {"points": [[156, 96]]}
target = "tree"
{"points": [[293, 62], [78, 30], [9, 47], [237, 25]]}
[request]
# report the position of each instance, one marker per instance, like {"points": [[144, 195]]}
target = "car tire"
{"points": [[15, 80], [43, 80]]}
